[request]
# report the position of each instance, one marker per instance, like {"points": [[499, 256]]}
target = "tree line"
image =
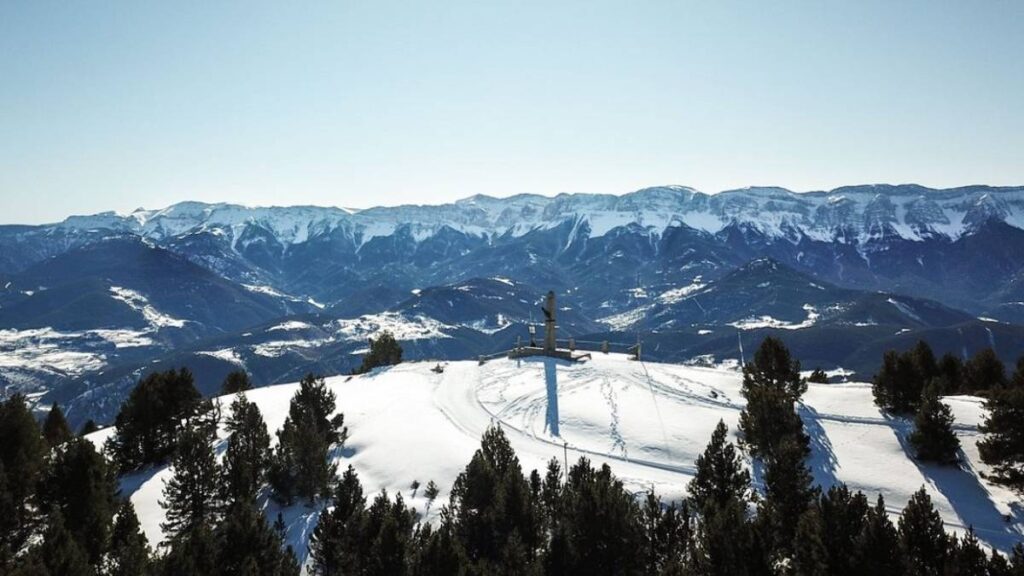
{"points": [[911, 383]]}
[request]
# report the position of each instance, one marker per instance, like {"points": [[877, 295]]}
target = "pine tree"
{"points": [[923, 359], [966, 557], [923, 541], [384, 351], [843, 516], [386, 533], [933, 437], [897, 386], [1003, 445], [818, 376], [771, 386], [89, 427], [248, 454], [22, 462], [810, 555], [129, 551], [191, 552], [724, 543], [721, 475], [300, 466], [878, 545], [431, 492], [491, 503], [789, 491], [55, 427], [334, 544], [59, 552], [984, 371], [949, 376], [191, 496], [248, 546], [149, 420], [667, 536], [599, 525], [83, 489], [235, 382]]}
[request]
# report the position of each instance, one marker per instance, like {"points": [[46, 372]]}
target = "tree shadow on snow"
{"points": [[823, 461], [960, 485], [551, 382]]}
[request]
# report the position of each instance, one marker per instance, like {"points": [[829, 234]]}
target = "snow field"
{"points": [[648, 421]]}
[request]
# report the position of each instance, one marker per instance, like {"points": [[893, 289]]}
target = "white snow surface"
{"points": [[648, 421], [141, 304]]}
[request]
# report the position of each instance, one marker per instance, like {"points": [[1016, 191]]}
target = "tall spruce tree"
{"points": [[83, 489], [721, 475], [55, 427], [1003, 444], [897, 387], [667, 536], [248, 454], [192, 495], [933, 438], [300, 467], [191, 552], [923, 540], [725, 542], [129, 553]]}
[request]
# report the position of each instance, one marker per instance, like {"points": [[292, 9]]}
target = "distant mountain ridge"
{"points": [[848, 214]]}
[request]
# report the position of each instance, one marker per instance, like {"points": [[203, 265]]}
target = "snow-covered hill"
{"points": [[648, 421]]}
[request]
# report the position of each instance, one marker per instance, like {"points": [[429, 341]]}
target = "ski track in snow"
{"points": [[408, 423]]}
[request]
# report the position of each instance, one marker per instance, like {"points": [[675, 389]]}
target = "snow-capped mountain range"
{"points": [[854, 214], [90, 303]]}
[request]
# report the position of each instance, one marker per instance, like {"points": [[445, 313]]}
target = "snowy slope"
{"points": [[648, 421]]}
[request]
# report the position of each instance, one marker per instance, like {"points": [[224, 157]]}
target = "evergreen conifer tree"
{"points": [[59, 553], [789, 491], [192, 494], [55, 427], [83, 489], [818, 376], [771, 386], [248, 454], [897, 386], [810, 555], [933, 437], [300, 466], [966, 557], [334, 544], [22, 463], [721, 475], [984, 371], [235, 382], [1003, 444], [923, 540], [384, 351], [878, 545], [150, 419], [89, 427], [191, 552], [724, 544], [248, 546], [129, 551], [843, 516]]}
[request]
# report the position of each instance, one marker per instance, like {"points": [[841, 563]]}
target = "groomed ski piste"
{"points": [[648, 421]]}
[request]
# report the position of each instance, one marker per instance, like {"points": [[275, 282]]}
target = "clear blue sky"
{"points": [[116, 105]]}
